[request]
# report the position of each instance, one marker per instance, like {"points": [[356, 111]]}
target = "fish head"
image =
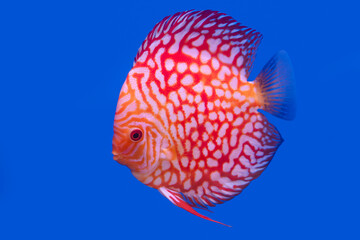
{"points": [[129, 145], [139, 132]]}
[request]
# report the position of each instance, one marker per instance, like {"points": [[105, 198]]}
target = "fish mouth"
{"points": [[118, 157]]}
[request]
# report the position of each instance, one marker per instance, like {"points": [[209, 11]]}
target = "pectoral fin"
{"points": [[177, 199]]}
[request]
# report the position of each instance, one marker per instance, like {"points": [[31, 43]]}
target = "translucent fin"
{"points": [[177, 199], [276, 85]]}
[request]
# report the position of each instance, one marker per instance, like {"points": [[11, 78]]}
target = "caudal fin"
{"points": [[276, 87]]}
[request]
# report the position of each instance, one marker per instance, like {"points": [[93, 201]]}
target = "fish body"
{"points": [[187, 120]]}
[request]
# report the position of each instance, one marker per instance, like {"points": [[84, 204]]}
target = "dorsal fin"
{"points": [[218, 30]]}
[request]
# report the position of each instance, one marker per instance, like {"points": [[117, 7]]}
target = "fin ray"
{"points": [[178, 200], [276, 83]]}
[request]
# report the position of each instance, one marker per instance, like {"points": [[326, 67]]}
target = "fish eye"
{"points": [[136, 135]]}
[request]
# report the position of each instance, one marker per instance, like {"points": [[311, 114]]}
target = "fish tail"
{"points": [[275, 86]]}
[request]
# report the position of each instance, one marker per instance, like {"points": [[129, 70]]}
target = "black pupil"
{"points": [[136, 135]]}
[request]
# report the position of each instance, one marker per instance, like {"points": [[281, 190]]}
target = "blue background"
{"points": [[62, 67]]}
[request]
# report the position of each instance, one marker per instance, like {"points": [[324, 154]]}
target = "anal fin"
{"points": [[177, 199]]}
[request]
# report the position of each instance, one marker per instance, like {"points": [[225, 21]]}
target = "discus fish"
{"points": [[187, 120]]}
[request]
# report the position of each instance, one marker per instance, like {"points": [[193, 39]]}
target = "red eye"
{"points": [[136, 135]]}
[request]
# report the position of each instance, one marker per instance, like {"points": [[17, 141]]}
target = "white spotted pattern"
{"points": [[204, 135]]}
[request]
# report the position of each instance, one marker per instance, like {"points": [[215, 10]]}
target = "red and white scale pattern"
{"points": [[192, 72]]}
